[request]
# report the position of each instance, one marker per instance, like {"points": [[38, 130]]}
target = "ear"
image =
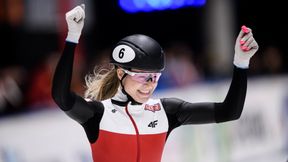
{"points": [[120, 73]]}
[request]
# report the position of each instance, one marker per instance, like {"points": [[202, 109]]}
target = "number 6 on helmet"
{"points": [[138, 51]]}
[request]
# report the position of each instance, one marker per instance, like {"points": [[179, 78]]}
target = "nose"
{"points": [[149, 79], [149, 83]]}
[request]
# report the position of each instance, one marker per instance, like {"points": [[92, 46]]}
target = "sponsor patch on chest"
{"points": [[153, 108]]}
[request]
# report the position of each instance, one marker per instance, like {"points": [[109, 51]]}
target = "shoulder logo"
{"points": [[123, 54], [153, 108], [113, 110]]}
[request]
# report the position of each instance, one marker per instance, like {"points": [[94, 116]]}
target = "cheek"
{"points": [[131, 85], [154, 86]]}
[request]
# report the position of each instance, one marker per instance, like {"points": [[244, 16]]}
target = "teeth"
{"points": [[144, 91]]}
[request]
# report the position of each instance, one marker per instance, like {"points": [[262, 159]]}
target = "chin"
{"points": [[142, 100]]}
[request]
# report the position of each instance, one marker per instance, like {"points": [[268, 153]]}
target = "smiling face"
{"points": [[139, 91]]}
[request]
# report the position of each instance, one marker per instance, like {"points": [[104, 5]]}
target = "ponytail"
{"points": [[102, 84]]}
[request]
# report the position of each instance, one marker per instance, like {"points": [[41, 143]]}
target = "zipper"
{"points": [[137, 133]]}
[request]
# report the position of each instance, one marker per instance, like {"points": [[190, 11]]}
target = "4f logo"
{"points": [[153, 124]]}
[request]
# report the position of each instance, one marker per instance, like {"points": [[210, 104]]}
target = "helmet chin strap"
{"points": [[133, 102]]}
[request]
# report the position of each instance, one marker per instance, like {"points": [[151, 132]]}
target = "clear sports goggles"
{"points": [[143, 77]]}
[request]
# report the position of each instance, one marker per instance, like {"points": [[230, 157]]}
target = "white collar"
{"points": [[132, 109], [120, 96]]}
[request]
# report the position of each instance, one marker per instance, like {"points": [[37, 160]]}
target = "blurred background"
{"points": [[198, 37]]}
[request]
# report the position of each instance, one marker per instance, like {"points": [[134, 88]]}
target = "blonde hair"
{"points": [[102, 84]]}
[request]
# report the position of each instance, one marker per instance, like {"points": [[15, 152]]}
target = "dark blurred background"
{"points": [[198, 40], [199, 45]]}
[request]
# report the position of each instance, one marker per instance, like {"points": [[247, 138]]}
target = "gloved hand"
{"points": [[245, 48], [75, 21]]}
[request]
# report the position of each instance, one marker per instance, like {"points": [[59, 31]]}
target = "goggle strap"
{"points": [[124, 92], [125, 74]]}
